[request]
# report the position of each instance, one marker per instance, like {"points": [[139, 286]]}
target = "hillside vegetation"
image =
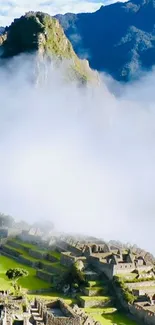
{"points": [[36, 32]]}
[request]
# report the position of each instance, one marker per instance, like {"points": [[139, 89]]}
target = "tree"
{"points": [[15, 274], [74, 277]]}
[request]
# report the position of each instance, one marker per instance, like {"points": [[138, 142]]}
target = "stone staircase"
{"points": [[36, 318]]}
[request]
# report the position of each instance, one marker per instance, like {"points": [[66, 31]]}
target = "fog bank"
{"points": [[83, 158]]}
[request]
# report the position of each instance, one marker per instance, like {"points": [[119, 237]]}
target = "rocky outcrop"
{"points": [[39, 32]]}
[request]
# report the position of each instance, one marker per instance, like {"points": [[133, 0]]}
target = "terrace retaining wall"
{"points": [[144, 316], [90, 292], [11, 251], [45, 276], [37, 254], [134, 285], [94, 303]]}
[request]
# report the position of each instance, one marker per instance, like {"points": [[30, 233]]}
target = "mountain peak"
{"points": [[37, 31]]}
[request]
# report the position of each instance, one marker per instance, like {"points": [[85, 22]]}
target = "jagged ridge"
{"points": [[36, 31]]}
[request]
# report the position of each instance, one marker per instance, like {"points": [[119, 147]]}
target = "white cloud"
{"points": [[82, 157], [15, 8]]}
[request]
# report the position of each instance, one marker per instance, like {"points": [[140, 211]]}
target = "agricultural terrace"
{"points": [[106, 315], [10, 259]]}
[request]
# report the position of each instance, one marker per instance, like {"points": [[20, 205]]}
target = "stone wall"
{"points": [[67, 259], [134, 285], [27, 261], [17, 245], [30, 238], [123, 268], [45, 276], [85, 319], [49, 319], [90, 292], [11, 251], [144, 268], [14, 232], [37, 254], [64, 246], [91, 275], [143, 315], [51, 258], [113, 269], [19, 259], [142, 292], [51, 269], [9, 232], [87, 303], [106, 268]]}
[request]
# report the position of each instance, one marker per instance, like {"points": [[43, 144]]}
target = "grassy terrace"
{"points": [[95, 283], [24, 244], [37, 249], [22, 252], [95, 288], [55, 254], [52, 296], [101, 298], [151, 288], [31, 282], [109, 316], [127, 276], [105, 315], [26, 255]]}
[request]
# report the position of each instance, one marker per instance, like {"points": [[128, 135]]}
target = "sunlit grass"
{"points": [[30, 282]]}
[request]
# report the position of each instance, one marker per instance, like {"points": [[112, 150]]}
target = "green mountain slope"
{"points": [[39, 32]]}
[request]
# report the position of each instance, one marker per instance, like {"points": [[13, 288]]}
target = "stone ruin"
{"points": [[85, 319], [11, 310], [54, 313]]}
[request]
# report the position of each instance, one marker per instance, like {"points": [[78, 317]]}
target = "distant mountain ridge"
{"points": [[118, 39]]}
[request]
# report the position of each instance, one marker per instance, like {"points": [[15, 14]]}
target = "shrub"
{"points": [[126, 293]]}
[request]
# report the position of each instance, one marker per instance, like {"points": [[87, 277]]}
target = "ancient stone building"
{"points": [[54, 313]]}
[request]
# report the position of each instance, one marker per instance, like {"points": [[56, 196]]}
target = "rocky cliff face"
{"points": [[39, 32]]}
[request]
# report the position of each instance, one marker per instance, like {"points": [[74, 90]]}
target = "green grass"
{"points": [[24, 244], [25, 254], [94, 288], [102, 298], [95, 283], [22, 252], [96, 310], [55, 254], [31, 282], [152, 288], [111, 317], [127, 275], [53, 296]]}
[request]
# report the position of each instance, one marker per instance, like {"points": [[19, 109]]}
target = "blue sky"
{"points": [[15, 8]]}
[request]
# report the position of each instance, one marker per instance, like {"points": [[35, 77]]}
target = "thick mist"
{"points": [[82, 157]]}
